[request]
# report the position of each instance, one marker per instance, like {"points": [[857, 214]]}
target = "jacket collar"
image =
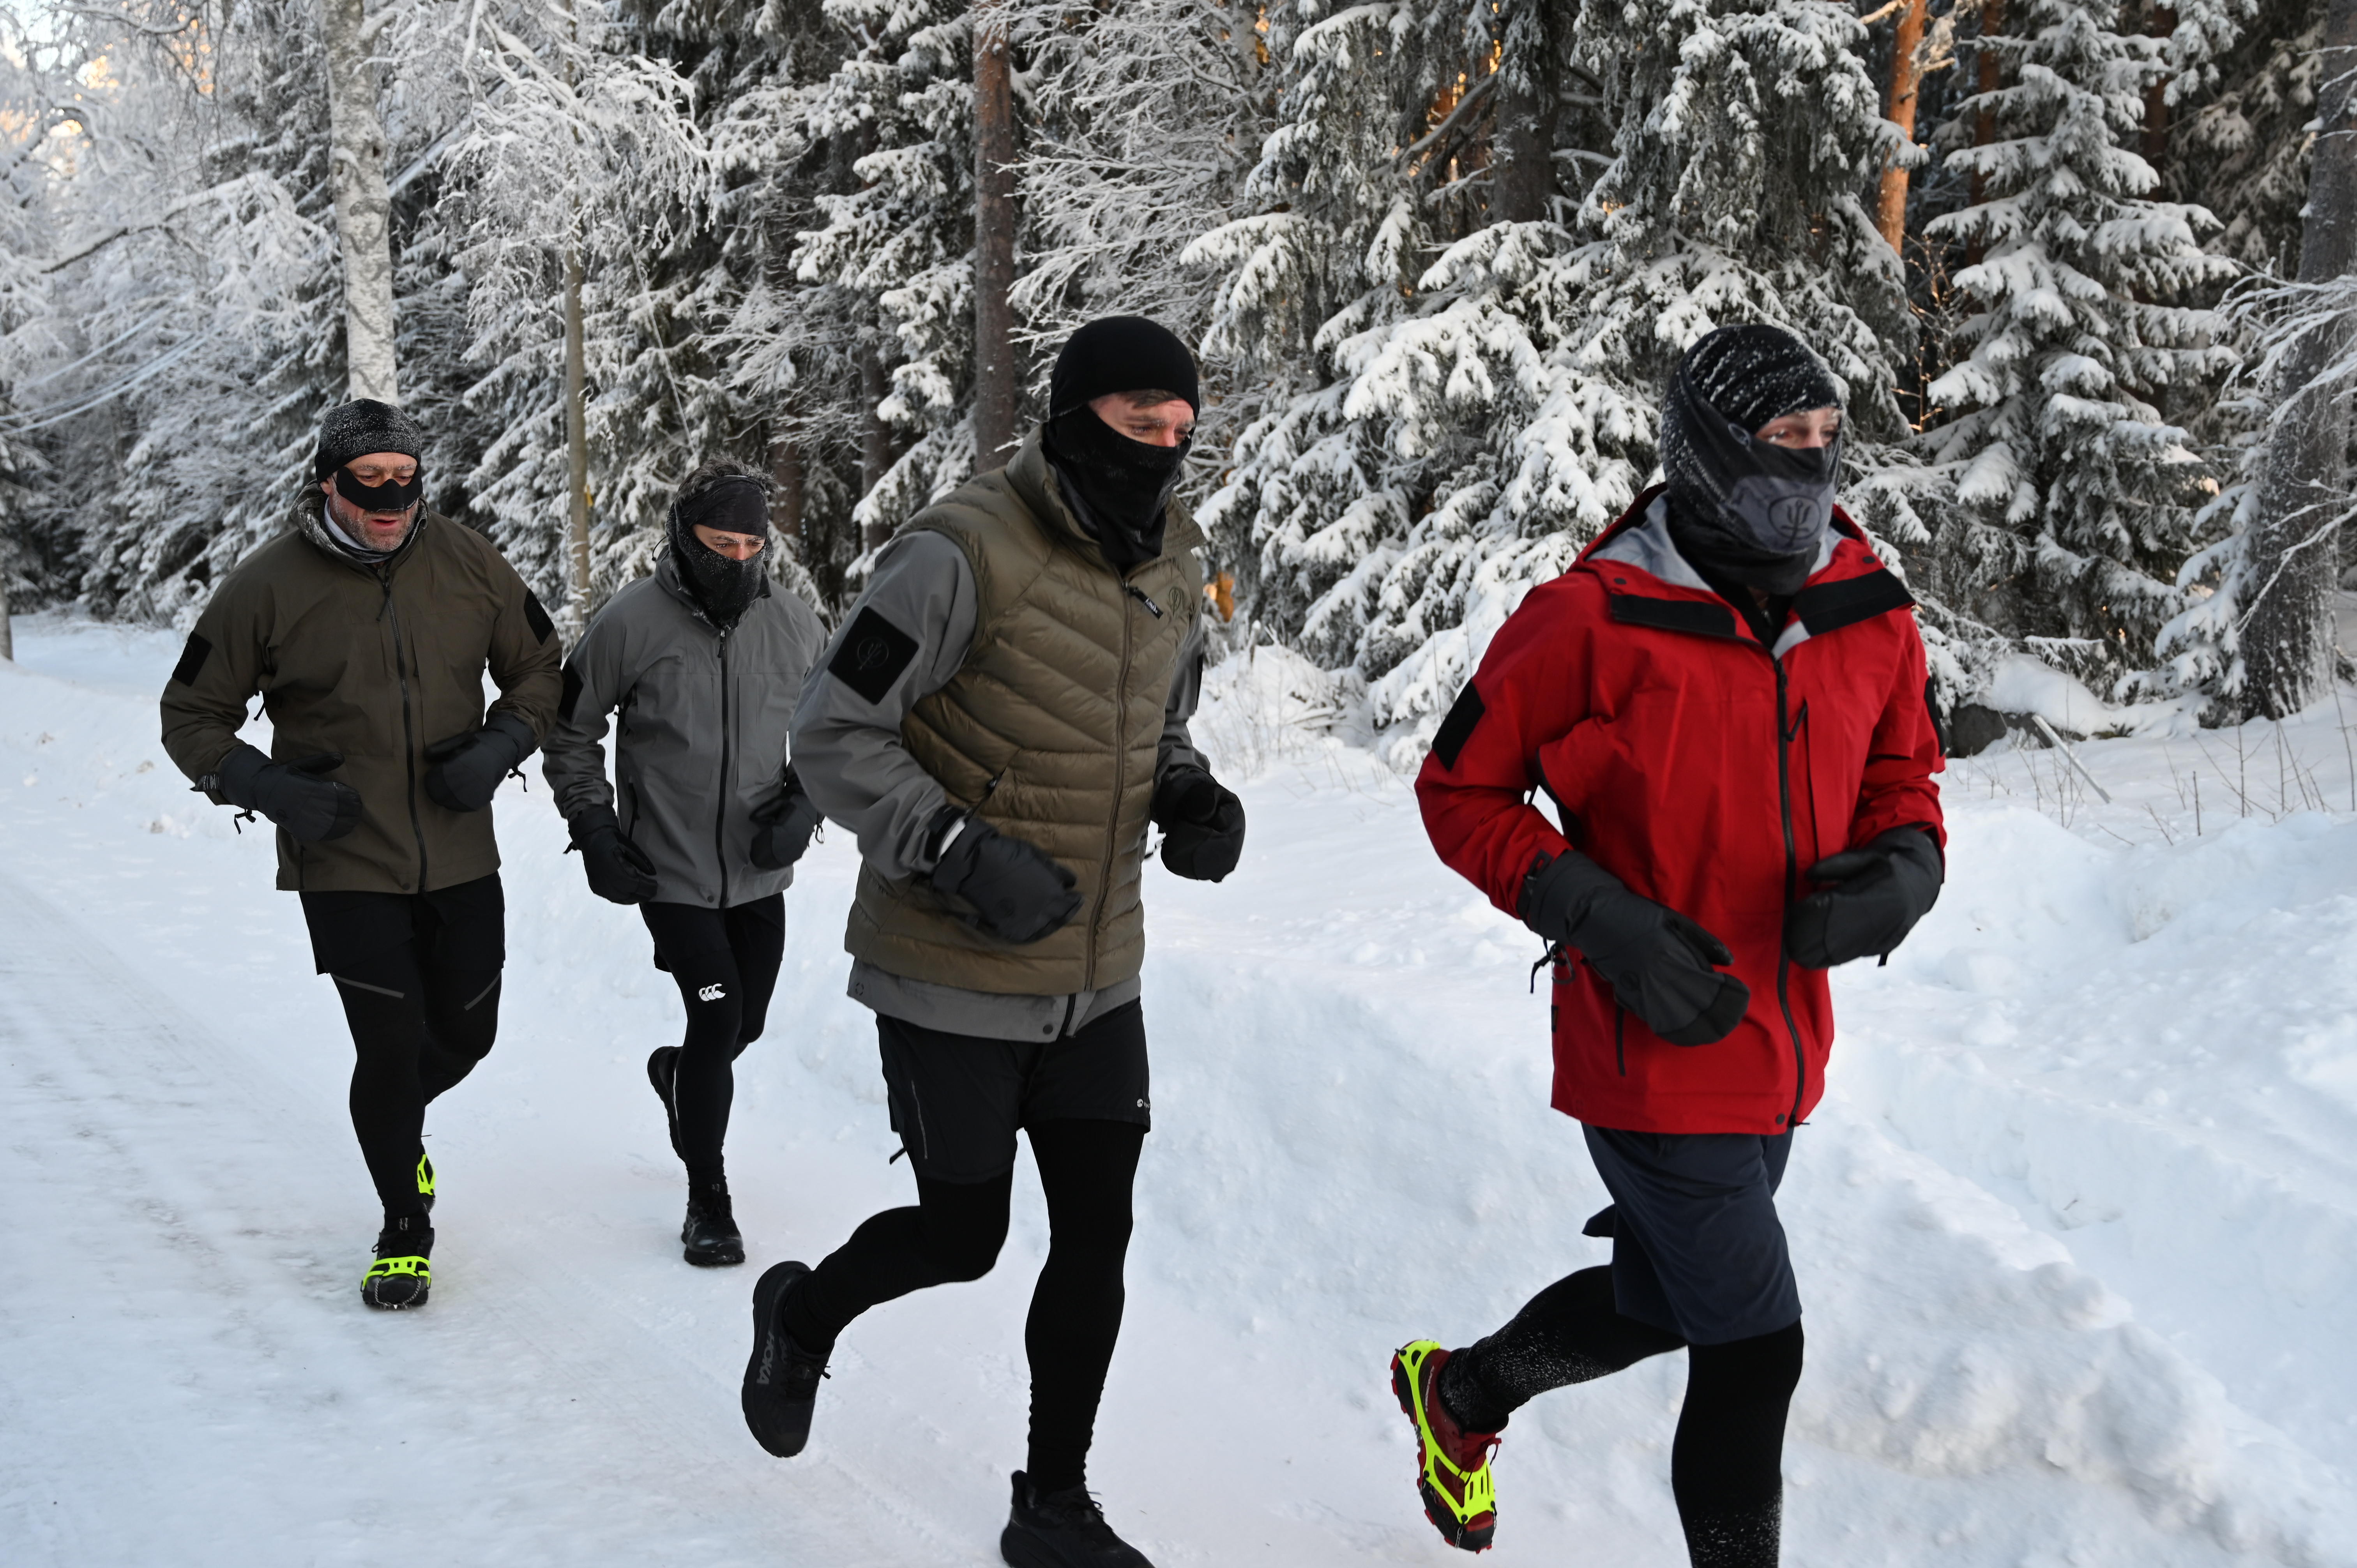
{"points": [[1033, 480], [311, 522], [1648, 583]]}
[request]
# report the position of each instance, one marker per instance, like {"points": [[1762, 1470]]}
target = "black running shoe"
{"points": [[709, 1238], [1062, 1530], [781, 1379], [663, 1072], [404, 1268]]}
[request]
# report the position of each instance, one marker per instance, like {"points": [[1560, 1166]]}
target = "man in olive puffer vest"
{"points": [[1000, 720], [367, 626]]}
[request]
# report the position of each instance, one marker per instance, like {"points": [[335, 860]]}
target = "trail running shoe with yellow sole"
{"points": [[403, 1269], [1452, 1465]]}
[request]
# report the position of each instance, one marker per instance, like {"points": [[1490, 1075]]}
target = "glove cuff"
{"points": [[234, 779], [589, 821]]}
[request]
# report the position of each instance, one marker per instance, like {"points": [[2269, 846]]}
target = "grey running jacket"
{"points": [[704, 734]]}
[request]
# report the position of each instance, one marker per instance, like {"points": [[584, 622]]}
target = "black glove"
{"points": [[1877, 894], [1202, 823], [620, 871], [467, 767], [292, 794], [783, 827], [1658, 963], [1018, 893]]}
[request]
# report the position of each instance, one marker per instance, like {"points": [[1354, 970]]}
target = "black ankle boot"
{"points": [[708, 1238], [1062, 1530]]}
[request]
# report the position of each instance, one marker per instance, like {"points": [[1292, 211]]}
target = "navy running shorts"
{"points": [[1697, 1247]]}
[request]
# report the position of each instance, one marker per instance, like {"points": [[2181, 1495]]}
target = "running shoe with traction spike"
{"points": [[403, 1269], [1452, 1465]]}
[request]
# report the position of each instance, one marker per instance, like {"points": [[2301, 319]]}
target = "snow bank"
{"points": [[2074, 1227]]}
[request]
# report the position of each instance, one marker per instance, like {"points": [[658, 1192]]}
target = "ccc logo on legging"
{"points": [[711, 993]]}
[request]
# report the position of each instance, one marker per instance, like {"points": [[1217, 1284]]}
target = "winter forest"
{"points": [[2083, 267]]}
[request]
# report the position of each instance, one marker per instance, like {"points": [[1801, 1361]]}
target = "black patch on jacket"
{"points": [[873, 654], [192, 659], [1691, 616], [537, 619], [1458, 727], [1829, 607], [571, 697]]}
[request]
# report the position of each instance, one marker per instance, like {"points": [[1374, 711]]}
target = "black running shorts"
{"points": [[957, 1099]]}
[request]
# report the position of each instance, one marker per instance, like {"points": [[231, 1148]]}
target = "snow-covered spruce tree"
{"points": [[896, 250], [2070, 501], [1144, 119], [1488, 347], [2239, 106], [582, 151]]}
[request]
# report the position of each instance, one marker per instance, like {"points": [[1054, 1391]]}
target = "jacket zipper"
{"points": [[1119, 773], [720, 811], [1792, 884], [408, 739]]}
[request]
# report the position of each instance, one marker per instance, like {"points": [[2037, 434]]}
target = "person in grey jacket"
{"points": [[1001, 722], [705, 818]]}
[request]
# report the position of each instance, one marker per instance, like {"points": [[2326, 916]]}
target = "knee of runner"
{"points": [[1763, 1369], [967, 1251]]}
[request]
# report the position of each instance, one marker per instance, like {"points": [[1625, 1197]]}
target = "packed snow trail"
{"points": [[2052, 1318]]}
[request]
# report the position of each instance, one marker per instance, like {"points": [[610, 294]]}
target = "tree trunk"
{"points": [[2156, 97], [1906, 77], [875, 435], [1986, 67], [577, 442], [786, 469], [2287, 639], [1523, 169], [364, 208], [994, 239], [8, 634]]}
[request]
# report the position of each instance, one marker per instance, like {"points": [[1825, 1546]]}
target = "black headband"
{"points": [[736, 503]]}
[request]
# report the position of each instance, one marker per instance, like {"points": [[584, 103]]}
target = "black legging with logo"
{"points": [[419, 978], [726, 961]]}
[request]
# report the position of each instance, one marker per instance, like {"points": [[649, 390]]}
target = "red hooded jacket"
{"points": [[1705, 771]]}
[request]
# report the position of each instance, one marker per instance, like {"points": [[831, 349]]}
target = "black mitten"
{"points": [[1017, 893], [1661, 965], [467, 767], [311, 808], [1202, 823], [783, 827], [620, 871], [1878, 893]]}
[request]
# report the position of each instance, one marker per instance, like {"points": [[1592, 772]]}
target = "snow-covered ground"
{"points": [[2077, 1227]]}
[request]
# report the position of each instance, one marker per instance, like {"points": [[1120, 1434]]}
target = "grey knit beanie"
{"points": [[363, 426]]}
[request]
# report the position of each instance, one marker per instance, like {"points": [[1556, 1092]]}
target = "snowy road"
{"points": [[2077, 1230]]}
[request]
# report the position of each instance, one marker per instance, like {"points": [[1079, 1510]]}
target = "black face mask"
{"points": [[1741, 507], [724, 588], [1122, 485], [387, 497]]}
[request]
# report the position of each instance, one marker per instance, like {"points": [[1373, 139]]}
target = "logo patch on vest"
{"points": [[873, 654]]}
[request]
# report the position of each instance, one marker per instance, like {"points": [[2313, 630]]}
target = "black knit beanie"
{"points": [[1754, 374], [1119, 354], [363, 426]]}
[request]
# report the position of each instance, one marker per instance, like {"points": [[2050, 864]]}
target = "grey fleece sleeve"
{"points": [[573, 757], [1177, 748], [847, 748]]}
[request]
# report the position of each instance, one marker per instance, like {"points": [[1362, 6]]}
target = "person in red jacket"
{"points": [[1726, 702]]}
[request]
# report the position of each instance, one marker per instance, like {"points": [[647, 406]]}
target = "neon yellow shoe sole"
{"points": [[395, 1285], [1461, 1503]]}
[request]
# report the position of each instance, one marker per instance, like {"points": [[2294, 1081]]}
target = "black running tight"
{"points": [[954, 1231], [1726, 1463], [419, 978], [726, 961]]}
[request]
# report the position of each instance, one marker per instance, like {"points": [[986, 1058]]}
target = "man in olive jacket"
{"points": [[366, 628], [1001, 719]]}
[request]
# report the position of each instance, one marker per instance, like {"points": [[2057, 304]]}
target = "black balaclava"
{"points": [[1120, 488], [357, 428], [735, 504], [1743, 510]]}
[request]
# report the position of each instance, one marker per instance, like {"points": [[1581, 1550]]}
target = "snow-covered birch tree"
{"points": [[363, 207]]}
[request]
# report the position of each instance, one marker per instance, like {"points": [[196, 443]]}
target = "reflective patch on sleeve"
{"points": [[873, 654], [537, 619], [572, 695], [1458, 727], [192, 659]]}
